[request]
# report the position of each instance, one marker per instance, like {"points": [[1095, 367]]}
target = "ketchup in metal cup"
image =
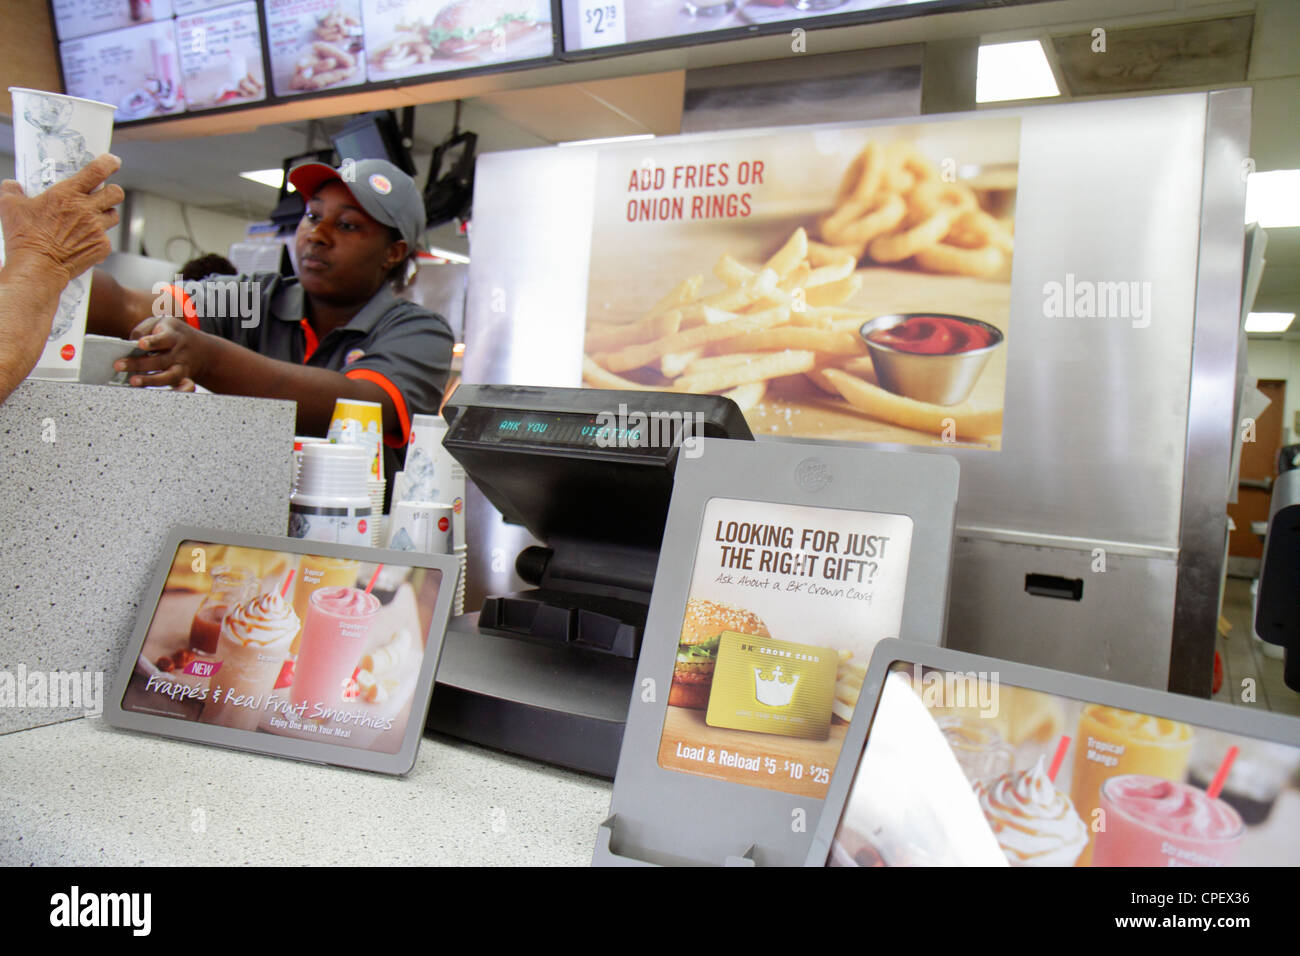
{"points": [[933, 335]]}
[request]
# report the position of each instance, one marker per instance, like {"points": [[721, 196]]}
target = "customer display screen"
{"points": [[959, 769], [647, 433], [303, 646]]}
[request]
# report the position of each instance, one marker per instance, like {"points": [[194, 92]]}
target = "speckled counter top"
{"points": [[83, 793]]}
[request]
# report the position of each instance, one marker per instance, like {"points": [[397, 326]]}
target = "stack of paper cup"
{"points": [[330, 501], [360, 423], [421, 526], [431, 473], [54, 137], [462, 561], [376, 490], [298, 442]]}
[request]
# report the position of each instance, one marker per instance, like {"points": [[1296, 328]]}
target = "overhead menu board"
{"points": [[597, 24], [79, 18], [135, 69], [315, 45], [413, 37], [186, 7], [221, 56]]}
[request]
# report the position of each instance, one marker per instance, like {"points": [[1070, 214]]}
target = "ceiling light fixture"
{"points": [[1013, 71], [606, 140], [1273, 198], [1269, 322], [267, 177]]}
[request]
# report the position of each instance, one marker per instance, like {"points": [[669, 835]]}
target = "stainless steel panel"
{"points": [[1119, 629], [1211, 429], [1096, 430]]}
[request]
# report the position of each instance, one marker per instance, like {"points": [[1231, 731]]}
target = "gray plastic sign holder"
{"points": [[667, 817], [253, 741], [1205, 714]]}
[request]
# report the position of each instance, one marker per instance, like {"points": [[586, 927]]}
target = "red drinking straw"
{"points": [[284, 588], [1221, 777], [1058, 758], [373, 578]]}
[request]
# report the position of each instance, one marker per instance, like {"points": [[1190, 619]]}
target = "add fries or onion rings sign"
{"points": [[747, 267]]}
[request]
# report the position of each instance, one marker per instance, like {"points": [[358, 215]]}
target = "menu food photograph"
{"points": [[221, 57], [785, 606], [851, 284], [959, 769], [294, 645], [78, 18], [315, 45], [413, 37], [136, 70]]}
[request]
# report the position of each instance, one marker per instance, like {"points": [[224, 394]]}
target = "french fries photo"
{"points": [[781, 320]]}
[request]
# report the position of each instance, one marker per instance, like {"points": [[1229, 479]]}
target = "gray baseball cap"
{"points": [[386, 193]]}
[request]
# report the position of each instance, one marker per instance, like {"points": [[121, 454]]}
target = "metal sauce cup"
{"points": [[937, 379]]}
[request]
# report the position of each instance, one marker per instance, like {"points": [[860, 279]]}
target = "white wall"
{"points": [[163, 233], [1278, 359]]}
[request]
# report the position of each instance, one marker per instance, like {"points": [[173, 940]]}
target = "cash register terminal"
{"points": [[547, 672]]}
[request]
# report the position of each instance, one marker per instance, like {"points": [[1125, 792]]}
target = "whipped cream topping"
{"points": [[1173, 808], [1036, 824], [264, 621]]}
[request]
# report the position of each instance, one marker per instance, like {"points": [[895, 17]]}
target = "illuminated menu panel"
{"points": [[79, 18], [135, 69], [594, 24], [221, 57], [414, 37], [315, 45]]}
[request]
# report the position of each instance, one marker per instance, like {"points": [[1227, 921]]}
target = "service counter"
{"points": [[82, 793]]}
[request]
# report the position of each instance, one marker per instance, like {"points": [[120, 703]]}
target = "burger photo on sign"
{"points": [[462, 33], [697, 650]]}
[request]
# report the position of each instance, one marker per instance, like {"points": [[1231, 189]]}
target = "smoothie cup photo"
{"points": [[315, 572], [333, 640], [1154, 822], [1111, 742]]}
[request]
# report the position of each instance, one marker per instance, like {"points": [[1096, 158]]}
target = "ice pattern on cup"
{"points": [[60, 152]]}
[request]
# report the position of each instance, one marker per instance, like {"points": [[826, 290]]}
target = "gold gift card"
{"points": [[773, 687]]}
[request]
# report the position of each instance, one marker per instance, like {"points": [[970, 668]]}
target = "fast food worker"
{"points": [[336, 331]]}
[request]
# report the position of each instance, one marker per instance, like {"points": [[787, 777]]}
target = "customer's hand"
{"points": [[177, 354], [63, 227]]}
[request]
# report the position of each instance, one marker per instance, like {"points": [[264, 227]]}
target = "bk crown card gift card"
{"points": [[774, 687]]}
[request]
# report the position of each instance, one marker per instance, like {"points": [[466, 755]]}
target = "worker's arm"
{"points": [[179, 351], [116, 310]]}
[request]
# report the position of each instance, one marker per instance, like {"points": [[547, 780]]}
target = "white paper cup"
{"points": [[54, 137], [423, 526]]}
